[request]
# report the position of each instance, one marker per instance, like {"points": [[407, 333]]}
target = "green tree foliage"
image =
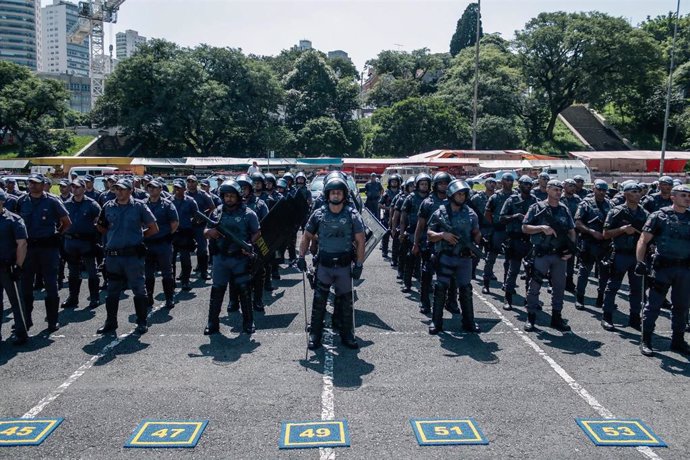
{"points": [[417, 125], [466, 31], [661, 29], [29, 107], [322, 136]]}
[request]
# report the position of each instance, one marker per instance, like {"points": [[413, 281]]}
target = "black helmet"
{"points": [[244, 180], [288, 176], [420, 177], [258, 177], [229, 186], [395, 177], [458, 186], [335, 183], [409, 181], [441, 177], [301, 175], [281, 183], [332, 174], [268, 177]]}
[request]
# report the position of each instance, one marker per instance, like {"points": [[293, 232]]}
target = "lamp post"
{"points": [[664, 138]]}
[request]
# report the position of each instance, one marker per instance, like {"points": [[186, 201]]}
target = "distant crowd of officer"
{"points": [[555, 233], [438, 227]]}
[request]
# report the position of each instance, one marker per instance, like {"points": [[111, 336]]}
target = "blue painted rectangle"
{"points": [[444, 432], [167, 433], [26, 432], [312, 434], [617, 432]]}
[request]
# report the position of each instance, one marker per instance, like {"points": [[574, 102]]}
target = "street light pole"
{"points": [[668, 92], [476, 76]]}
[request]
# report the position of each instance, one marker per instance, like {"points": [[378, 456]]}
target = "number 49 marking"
{"points": [[319, 433], [163, 433]]}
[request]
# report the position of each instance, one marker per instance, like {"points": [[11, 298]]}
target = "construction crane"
{"points": [[92, 15]]}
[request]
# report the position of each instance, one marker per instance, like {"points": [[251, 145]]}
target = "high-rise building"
{"points": [[59, 56], [338, 54], [126, 43], [304, 45], [20, 32]]}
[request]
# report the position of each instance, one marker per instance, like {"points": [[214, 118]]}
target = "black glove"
{"points": [[15, 272], [357, 272], [302, 264], [641, 269]]}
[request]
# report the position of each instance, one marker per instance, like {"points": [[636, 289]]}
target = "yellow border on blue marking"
{"points": [[651, 441], [190, 442], [342, 440], [51, 425], [470, 423]]}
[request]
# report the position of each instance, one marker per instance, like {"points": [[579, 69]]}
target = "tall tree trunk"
{"points": [[551, 126]]}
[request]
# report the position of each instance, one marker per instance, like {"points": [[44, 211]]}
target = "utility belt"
{"points": [[167, 239], [129, 251], [91, 237], [236, 253], [464, 253], [52, 241], [541, 251], [333, 260], [664, 262]]}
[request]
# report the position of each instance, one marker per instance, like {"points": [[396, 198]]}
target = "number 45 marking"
{"points": [[163, 433], [16, 431]]}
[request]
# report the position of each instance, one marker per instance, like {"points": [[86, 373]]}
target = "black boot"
{"points": [[140, 308], [52, 305], [203, 266], [508, 305], [558, 323], [234, 300], [318, 311], [679, 345], [600, 299], [487, 286], [337, 318], [347, 333], [94, 293], [467, 307], [452, 298], [646, 342], [169, 292], [440, 297], [607, 321], [111, 307], [529, 324], [247, 312], [215, 304], [635, 322], [72, 300], [579, 301], [150, 285]]}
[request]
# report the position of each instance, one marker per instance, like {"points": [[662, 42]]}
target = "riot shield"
{"points": [[374, 231]]}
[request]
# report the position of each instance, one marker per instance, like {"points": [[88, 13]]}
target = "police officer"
{"points": [[183, 239], [669, 228], [45, 218], [452, 228], [373, 191], [571, 200], [159, 246], [122, 221], [81, 244], [205, 185], [338, 226], [385, 204], [478, 204], [580, 189], [10, 200], [109, 194], [231, 260], [272, 198], [65, 190], [662, 198], [552, 233], [421, 248], [517, 245], [540, 192], [594, 249], [400, 249], [623, 226], [138, 193], [12, 188], [408, 226], [205, 204], [498, 236], [89, 190], [12, 255]]}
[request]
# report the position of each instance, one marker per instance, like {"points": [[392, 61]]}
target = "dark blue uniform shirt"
{"points": [[83, 215], [41, 215], [11, 229], [124, 223]]}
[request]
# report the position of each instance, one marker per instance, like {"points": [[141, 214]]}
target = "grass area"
{"points": [[563, 142], [641, 139], [9, 152]]}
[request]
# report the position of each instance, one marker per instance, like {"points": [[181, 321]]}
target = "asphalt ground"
{"points": [[523, 390]]}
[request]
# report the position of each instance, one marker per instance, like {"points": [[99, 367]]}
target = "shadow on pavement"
{"points": [[36, 342], [73, 315], [131, 344], [570, 343], [470, 345], [367, 318], [224, 350], [278, 321]]}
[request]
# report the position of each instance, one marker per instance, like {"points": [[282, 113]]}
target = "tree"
{"points": [[322, 136], [416, 125], [466, 31], [661, 29]]}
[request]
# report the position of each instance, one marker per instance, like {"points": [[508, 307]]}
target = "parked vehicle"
{"points": [[404, 171], [481, 178], [92, 170], [568, 169]]}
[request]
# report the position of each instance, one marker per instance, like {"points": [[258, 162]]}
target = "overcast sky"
{"points": [[362, 28]]}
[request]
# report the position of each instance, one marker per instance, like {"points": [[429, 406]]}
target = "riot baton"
{"points": [[22, 304], [306, 325], [352, 293]]}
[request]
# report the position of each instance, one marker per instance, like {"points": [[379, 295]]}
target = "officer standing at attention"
{"points": [[540, 192], [205, 204], [386, 204], [12, 256], [373, 191], [518, 245], [571, 200], [408, 225], [231, 261], [89, 190], [478, 204], [623, 225], [552, 233], [580, 189], [109, 194], [498, 236], [45, 218], [65, 190], [122, 221], [183, 239], [400, 250], [669, 228], [594, 249], [452, 227], [660, 199], [80, 245], [338, 226], [12, 188], [159, 246], [272, 198]]}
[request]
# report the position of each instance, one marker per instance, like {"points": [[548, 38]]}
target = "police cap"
{"points": [[37, 178], [526, 180], [681, 188], [124, 184], [555, 183], [600, 184], [632, 186], [179, 183], [668, 180], [544, 175]]}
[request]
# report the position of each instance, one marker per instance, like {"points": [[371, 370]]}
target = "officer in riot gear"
{"points": [[498, 236], [478, 203], [183, 240], [386, 205], [408, 226], [571, 200]]}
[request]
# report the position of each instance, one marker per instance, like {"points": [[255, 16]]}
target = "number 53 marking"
{"points": [[618, 431]]}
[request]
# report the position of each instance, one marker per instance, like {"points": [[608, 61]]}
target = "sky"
{"points": [[362, 28]]}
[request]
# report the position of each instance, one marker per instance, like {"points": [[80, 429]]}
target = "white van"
{"points": [[404, 171], [567, 169], [80, 171]]}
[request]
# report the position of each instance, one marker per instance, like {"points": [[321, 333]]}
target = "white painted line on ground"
{"points": [[53, 395], [327, 399], [576, 387]]}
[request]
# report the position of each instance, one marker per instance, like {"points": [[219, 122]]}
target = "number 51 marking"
{"points": [[445, 431]]}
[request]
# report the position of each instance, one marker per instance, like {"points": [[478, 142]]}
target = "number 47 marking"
{"points": [[163, 432]]}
